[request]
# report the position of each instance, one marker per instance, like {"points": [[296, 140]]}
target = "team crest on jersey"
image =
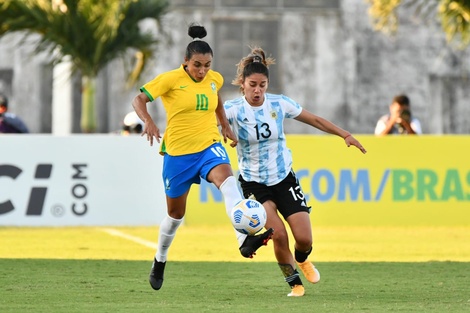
{"points": [[274, 115], [214, 88]]}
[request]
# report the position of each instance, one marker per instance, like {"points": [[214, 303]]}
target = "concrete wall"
{"points": [[329, 60]]}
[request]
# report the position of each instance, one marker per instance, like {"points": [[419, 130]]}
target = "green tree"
{"points": [[89, 33], [454, 16]]}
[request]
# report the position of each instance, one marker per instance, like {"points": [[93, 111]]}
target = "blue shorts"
{"points": [[180, 172]]}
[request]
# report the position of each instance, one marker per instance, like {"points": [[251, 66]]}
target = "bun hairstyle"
{"points": [[197, 46], [254, 63], [196, 31]]}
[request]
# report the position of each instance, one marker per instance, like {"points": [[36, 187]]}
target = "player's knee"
{"points": [[304, 243], [280, 236]]}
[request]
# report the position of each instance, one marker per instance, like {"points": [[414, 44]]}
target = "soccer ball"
{"points": [[248, 216]]}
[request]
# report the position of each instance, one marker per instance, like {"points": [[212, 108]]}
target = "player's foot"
{"points": [[310, 272], [252, 243], [156, 274], [297, 291]]}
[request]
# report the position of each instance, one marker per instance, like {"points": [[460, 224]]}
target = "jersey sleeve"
{"points": [[291, 108], [157, 86], [230, 111]]}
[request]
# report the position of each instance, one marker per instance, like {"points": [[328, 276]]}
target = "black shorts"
{"points": [[287, 194]]}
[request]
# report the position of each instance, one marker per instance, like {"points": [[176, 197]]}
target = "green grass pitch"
{"points": [[95, 270]]}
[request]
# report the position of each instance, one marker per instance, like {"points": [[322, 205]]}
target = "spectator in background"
{"points": [[9, 122], [399, 121], [132, 124]]}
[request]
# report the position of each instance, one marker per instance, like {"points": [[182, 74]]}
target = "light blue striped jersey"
{"points": [[263, 156]]}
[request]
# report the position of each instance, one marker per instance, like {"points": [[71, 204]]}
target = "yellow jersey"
{"points": [[190, 110]]}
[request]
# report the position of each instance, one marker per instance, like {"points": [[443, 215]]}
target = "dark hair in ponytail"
{"points": [[197, 46], [254, 63]]}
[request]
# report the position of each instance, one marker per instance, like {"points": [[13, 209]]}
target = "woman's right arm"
{"points": [[150, 128]]}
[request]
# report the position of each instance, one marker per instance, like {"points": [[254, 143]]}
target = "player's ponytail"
{"points": [[254, 63]]}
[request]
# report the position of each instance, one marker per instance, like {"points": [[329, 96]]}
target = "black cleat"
{"points": [[252, 243], [156, 274]]}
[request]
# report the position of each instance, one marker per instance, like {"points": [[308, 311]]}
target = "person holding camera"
{"points": [[9, 122], [399, 121]]}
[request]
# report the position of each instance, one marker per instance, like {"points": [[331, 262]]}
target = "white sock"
{"points": [[240, 237], [232, 196], [167, 233]]}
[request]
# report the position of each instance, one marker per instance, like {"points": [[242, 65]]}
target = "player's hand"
{"points": [[350, 140], [152, 131], [228, 133]]}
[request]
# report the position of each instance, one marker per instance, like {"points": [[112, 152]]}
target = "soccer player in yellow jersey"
{"points": [[191, 145]]}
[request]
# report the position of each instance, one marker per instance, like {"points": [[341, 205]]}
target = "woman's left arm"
{"points": [[328, 127]]}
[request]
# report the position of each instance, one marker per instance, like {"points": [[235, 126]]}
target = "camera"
{"points": [[406, 115]]}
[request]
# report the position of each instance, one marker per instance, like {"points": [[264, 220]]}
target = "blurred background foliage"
{"points": [[89, 34], [454, 16]]}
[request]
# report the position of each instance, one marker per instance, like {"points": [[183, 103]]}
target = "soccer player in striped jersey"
{"points": [[191, 145], [265, 163]]}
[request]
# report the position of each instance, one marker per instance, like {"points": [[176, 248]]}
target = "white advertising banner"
{"points": [[79, 180]]}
